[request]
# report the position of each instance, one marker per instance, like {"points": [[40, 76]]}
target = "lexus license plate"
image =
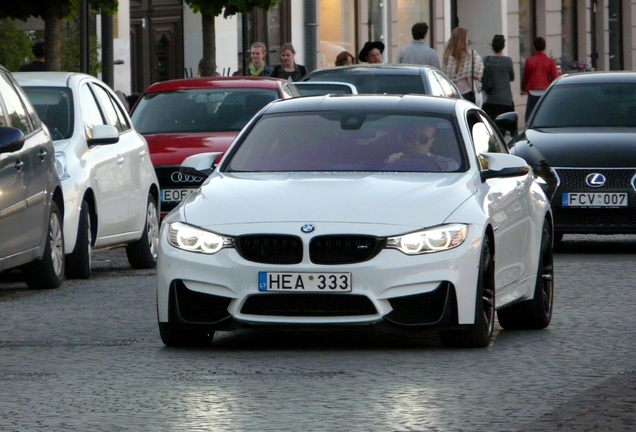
{"points": [[594, 199]]}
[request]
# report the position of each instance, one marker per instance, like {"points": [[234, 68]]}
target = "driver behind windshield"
{"points": [[418, 143]]}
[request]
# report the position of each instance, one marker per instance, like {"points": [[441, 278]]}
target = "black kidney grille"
{"points": [[344, 249], [271, 249], [308, 305]]}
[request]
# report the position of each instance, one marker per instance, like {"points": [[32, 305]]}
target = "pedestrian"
{"points": [[538, 72], [499, 100], [418, 51], [289, 69], [463, 65], [371, 52], [345, 58], [258, 67], [38, 64]]}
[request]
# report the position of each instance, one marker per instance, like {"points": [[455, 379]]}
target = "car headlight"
{"points": [[195, 239], [436, 239], [60, 165]]}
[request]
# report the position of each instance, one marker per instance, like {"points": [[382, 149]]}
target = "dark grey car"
{"points": [[390, 79], [31, 201]]}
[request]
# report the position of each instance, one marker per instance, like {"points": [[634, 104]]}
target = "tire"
{"points": [[48, 272], [535, 313], [176, 336], [142, 254], [480, 333], [79, 262]]}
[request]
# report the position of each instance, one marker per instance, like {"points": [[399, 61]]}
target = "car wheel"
{"points": [[79, 262], [142, 254], [176, 336], [479, 334], [535, 313], [48, 272]]}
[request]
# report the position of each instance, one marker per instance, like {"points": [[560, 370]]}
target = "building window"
{"points": [[569, 30], [527, 30], [410, 12], [337, 30]]}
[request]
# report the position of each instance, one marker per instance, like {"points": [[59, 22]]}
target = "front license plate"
{"points": [[304, 282], [175, 195], [594, 199]]}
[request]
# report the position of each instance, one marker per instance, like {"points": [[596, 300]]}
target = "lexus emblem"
{"points": [[307, 228], [595, 180]]}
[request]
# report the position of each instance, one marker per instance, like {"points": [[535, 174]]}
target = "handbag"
{"points": [[470, 96], [487, 82]]}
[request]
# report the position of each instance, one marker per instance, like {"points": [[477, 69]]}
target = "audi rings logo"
{"points": [[179, 177], [307, 228], [595, 180]]}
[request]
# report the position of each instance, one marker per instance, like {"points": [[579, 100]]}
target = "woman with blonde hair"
{"points": [[463, 65]]}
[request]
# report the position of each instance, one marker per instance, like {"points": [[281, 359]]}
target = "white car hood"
{"points": [[230, 202]]}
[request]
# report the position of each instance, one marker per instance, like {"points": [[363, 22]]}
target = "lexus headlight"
{"points": [[436, 239], [195, 239]]}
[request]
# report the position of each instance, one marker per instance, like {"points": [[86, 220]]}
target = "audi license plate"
{"points": [[304, 282], [176, 195], [594, 199]]}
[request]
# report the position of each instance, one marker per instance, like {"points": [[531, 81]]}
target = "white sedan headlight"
{"points": [[195, 239], [431, 240], [61, 165]]}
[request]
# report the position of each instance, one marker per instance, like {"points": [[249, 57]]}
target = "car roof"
{"points": [[384, 68], [218, 82], [598, 78], [367, 102], [49, 79]]}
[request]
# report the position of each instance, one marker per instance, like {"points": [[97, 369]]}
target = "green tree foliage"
{"points": [[52, 12], [210, 9], [15, 45]]}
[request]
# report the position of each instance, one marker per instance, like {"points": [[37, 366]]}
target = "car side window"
{"points": [[483, 140], [448, 89], [436, 87], [91, 114], [16, 110], [112, 118]]}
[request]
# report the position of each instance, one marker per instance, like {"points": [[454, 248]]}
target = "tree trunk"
{"points": [[208, 66], [52, 38]]}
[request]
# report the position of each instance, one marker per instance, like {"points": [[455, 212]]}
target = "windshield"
{"points": [[587, 105], [348, 141], [53, 105], [200, 110], [376, 83]]}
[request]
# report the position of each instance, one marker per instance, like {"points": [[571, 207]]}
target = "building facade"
{"points": [[161, 39]]}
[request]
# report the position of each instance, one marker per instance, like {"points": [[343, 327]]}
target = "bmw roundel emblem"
{"points": [[307, 228], [595, 180]]}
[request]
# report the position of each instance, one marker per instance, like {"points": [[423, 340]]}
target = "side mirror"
{"points": [[508, 122], [201, 164], [104, 134], [11, 139]]}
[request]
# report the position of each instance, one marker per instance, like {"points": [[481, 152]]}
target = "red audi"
{"points": [[183, 117]]}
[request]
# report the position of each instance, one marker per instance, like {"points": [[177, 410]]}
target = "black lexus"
{"points": [[581, 140]]}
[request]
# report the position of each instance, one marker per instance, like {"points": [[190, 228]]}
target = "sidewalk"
{"points": [[609, 407]]}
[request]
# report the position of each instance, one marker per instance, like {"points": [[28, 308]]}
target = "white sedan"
{"points": [[359, 210], [110, 187]]}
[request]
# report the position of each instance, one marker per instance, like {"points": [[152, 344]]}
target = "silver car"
{"points": [[31, 201]]}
